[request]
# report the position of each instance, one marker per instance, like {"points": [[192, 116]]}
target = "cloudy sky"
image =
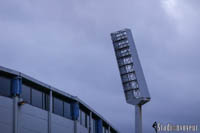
{"points": [[66, 43]]}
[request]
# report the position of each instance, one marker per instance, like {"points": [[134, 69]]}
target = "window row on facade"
{"points": [[83, 118], [35, 96], [39, 97], [62, 107]]}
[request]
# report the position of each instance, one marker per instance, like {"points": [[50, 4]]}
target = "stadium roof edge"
{"points": [[75, 98]]}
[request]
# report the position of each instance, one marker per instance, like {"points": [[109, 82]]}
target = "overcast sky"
{"points": [[67, 44]]}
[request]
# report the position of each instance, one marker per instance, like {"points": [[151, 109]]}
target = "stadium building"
{"points": [[30, 106]]}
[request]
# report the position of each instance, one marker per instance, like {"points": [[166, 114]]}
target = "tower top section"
{"points": [[131, 73]]}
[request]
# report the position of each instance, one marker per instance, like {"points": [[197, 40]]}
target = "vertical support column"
{"points": [[138, 119], [15, 114], [50, 111], [16, 91], [75, 126], [90, 123]]}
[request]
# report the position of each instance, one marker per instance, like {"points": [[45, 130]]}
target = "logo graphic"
{"points": [[159, 127], [155, 126]]}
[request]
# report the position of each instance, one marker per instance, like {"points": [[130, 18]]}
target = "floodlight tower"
{"points": [[132, 76]]}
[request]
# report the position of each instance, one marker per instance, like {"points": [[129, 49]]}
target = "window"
{"points": [[45, 101], [80, 112], [83, 118], [5, 86], [94, 126], [26, 93], [87, 121], [79, 116], [67, 110], [57, 106], [36, 98]]}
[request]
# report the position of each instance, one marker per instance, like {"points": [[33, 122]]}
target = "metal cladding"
{"points": [[22, 96], [134, 84]]}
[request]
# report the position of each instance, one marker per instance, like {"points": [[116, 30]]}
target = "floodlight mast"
{"points": [[131, 73]]}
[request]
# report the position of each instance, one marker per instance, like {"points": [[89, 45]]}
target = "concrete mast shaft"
{"points": [[138, 118]]}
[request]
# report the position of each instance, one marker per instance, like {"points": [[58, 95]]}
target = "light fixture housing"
{"points": [[132, 76], [21, 102]]}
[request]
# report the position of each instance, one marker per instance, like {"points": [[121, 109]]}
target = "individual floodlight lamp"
{"points": [[132, 76]]}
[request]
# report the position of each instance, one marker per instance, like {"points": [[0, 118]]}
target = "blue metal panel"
{"points": [[16, 86], [75, 111], [99, 126]]}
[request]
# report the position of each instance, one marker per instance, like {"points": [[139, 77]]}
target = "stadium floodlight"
{"points": [[132, 76]]}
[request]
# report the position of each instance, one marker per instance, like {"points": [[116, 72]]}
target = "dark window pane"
{"points": [[45, 100], [83, 118], [67, 110], [79, 116], [36, 99], [58, 106], [86, 120], [94, 126], [26, 93], [5, 86]]}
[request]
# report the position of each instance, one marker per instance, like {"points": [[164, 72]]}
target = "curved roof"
{"points": [[49, 87]]}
